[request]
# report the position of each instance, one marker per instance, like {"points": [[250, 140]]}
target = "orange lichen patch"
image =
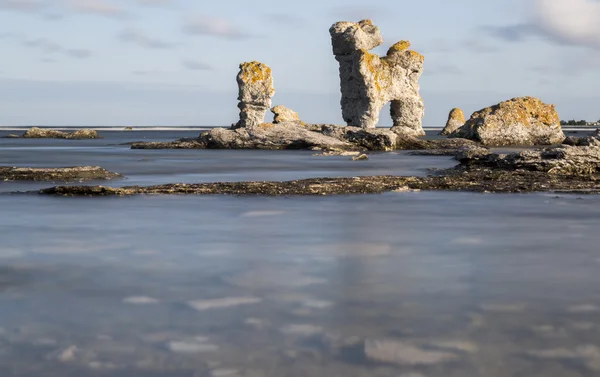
{"points": [[379, 68], [457, 114], [416, 56], [400, 46], [267, 125], [254, 72], [366, 23], [526, 111]]}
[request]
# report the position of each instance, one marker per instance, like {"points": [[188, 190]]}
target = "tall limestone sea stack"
{"points": [[255, 83], [368, 81], [519, 121]]}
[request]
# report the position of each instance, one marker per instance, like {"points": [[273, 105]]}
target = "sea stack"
{"points": [[255, 83], [456, 119], [522, 121], [368, 81]]}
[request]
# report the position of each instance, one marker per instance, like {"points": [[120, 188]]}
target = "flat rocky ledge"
{"points": [[77, 173], [558, 169], [474, 180]]}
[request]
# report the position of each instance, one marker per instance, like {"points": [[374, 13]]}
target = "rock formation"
{"points": [[519, 121], [456, 119], [283, 114], [255, 83], [78, 173], [42, 133], [368, 81]]}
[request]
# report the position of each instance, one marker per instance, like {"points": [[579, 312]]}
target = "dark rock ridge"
{"points": [[78, 173], [43, 133], [560, 169]]}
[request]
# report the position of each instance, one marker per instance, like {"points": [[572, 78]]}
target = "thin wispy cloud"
{"points": [[48, 46], [195, 65], [97, 7], [564, 22], [357, 13], [28, 6], [155, 2], [204, 25], [141, 39]]}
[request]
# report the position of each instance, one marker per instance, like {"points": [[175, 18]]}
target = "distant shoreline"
{"points": [[204, 128]]}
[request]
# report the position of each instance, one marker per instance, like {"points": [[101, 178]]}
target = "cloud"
{"points": [[98, 7], [155, 2], [357, 13], [141, 39], [285, 19], [79, 53], [211, 26], [44, 44], [445, 70], [49, 46], [195, 65], [28, 6], [564, 22]]}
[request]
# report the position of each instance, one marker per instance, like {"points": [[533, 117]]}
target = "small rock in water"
{"points": [[396, 352], [362, 157], [221, 303], [140, 300], [67, 355], [193, 346]]}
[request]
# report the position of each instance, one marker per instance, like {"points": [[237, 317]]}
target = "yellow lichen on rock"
{"points": [[400, 46], [254, 72], [366, 22], [416, 56]]}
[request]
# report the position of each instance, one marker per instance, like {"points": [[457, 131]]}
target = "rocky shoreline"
{"points": [[78, 173], [557, 169]]}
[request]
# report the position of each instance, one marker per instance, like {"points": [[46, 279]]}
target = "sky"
{"points": [[174, 62]]}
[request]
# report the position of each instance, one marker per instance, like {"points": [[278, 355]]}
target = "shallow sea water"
{"points": [[395, 285]]}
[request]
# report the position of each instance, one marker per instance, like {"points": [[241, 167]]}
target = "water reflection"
{"points": [[402, 284]]}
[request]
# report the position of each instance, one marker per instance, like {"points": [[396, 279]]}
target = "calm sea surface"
{"points": [[414, 284]]}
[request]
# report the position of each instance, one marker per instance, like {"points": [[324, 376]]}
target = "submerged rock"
{"points": [[283, 115], [255, 84], [43, 133], [362, 157], [456, 119], [79, 173], [519, 121], [368, 81]]}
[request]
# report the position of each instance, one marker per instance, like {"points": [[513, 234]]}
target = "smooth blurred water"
{"points": [[434, 284]]}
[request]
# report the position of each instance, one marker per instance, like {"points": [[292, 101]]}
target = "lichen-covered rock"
{"points": [[519, 121], [471, 153], [78, 173], [561, 160], [282, 114], [255, 83], [368, 81], [43, 133], [456, 119], [83, 134], [348, 37], [271, 136]]}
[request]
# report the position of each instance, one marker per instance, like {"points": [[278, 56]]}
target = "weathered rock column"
{"points": [[456, 119], [255, 82], [368, 81]]}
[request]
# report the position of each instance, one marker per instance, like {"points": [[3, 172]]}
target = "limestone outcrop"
{"points": [[456, 119], [368, 81], [282, 114], [44, 133], [255, 84], [519, 121], [559, 160]]}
